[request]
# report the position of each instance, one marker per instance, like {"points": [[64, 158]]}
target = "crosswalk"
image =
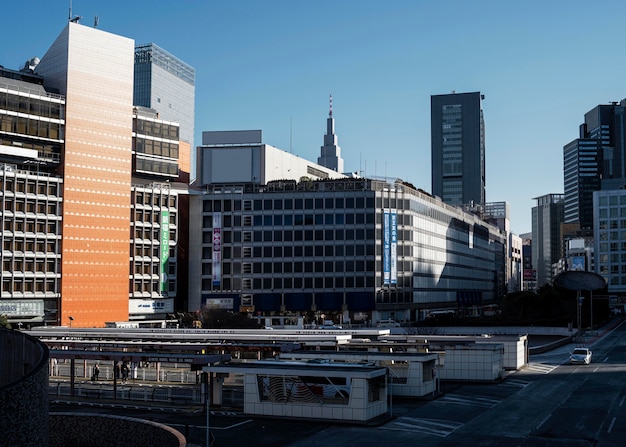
{"points": [[434, 427], [542, 368], [477, 401]]}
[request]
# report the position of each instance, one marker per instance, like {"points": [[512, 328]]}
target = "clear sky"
{"points": [[272, 64]]}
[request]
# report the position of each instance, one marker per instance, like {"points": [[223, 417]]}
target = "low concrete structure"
{"points": [[515, 355], [472, 362], [355, 393], [410, 374]]}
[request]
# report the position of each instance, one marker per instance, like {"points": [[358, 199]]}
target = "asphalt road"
{"points": [[549, 403]]}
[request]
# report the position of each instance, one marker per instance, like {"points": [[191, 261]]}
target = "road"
{"points": [[549, 403]]}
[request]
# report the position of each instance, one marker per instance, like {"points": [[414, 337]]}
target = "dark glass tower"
{"points": [[581, 174], [458, 148]]}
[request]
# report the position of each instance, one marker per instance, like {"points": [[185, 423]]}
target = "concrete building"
{"points": [[498, 213], [281, 235], [83, 172], [458, 148], [609, 210]]}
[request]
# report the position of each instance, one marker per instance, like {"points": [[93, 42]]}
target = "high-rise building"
{"points": [[96, 169], [91, 189], [458, 148], [609, 242], [547, 218], [331, 153], [166, 84], [581, 175], [594, 161]]}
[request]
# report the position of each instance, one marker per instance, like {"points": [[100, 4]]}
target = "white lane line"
{"points": [[621, 402], [543, 421], [597, 368], [611, 426], [421, 425]]}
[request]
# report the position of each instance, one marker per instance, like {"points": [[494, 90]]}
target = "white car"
{"points": [[387, 323], [581, 355]]}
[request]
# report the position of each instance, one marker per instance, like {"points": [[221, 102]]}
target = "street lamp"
{"points": [[71, 319]]}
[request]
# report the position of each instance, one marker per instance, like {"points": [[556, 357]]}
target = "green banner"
{"points": [[165, 249]]}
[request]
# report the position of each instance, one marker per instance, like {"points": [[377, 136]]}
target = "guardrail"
{"points": [[166, 394]]}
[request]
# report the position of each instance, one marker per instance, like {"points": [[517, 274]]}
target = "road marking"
{"points": [[605, 360], [545, 368], [421, 425], [515, 382], [228, 427], [469, 400], [543, 421], [611, 425], [597, 368], [621, 402]]}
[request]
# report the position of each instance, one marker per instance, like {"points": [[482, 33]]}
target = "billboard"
{"points": [[165, 250], [216, 264], [390, 247]]}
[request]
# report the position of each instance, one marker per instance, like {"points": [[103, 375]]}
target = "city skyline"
{"points": [[272, 66]]}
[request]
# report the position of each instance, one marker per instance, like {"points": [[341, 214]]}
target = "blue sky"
{"points": [[272, 65]]}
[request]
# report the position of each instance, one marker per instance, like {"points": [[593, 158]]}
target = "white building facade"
{"points": [[282, 235]]}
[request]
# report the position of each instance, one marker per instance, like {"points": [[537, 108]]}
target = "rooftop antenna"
{"points": [[96, 20], [73, 19], [291, 134], [330, 114]]}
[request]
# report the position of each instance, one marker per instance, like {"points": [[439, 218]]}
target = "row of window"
{"points": [[28, 246], [154, 166], [156, 129], [328, 203], [30, 186], [290, 283], [296, 251], [154, 199], [29, 265], [359, 234], [30, 105], [150, 251], [32, 127], [30, 285], [22, 226], [157, 148], [30, 206]]}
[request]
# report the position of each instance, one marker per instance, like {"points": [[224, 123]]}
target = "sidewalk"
{"points": [[589, 338]]}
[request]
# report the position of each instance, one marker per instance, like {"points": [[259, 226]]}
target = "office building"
{"points": [[166, 84], [499, 214], [582, 160], [547, 217], [458, 148], [283, 236], [87, 179], [610, 238]]}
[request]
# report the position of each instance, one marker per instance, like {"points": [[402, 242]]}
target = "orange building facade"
{"points": [[96, 170]]}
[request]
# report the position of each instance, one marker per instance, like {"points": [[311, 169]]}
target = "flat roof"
{"points": [[194, 359], [299, 369]]}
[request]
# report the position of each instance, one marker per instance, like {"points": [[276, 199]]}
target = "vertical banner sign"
{"points": [[165, 249], [394, 247], [386, 247], [217, 249]]}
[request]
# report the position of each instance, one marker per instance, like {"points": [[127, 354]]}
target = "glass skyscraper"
{"points": [[458, 148], [166, 84]]}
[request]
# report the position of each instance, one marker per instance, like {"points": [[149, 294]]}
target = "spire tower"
{"points": [[331, 153]]}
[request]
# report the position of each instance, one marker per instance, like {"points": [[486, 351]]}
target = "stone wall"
{"points": [[91, 430], [23, 390]]}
